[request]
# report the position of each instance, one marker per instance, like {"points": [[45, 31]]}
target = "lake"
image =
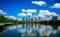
{"points": [[30, 30]]}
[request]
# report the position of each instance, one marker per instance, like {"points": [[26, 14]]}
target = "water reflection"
{"points": [[29, 30]]}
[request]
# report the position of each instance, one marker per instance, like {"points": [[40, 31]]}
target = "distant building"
{"points": [[27, 19], [32, 19], [23, 19], [39, 18], [36, 19], [54, 18], [58, 18]]}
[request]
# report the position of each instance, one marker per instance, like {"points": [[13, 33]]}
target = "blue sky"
{"points": [[34, 8]]}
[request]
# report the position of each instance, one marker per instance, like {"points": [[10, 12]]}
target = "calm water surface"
{"points": [[30, 30]]}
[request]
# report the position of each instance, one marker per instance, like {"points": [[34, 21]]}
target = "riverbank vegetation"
{"points": [[50, 22]]}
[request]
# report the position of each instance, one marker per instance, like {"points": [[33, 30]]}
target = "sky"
{"points": [[18, 9]]}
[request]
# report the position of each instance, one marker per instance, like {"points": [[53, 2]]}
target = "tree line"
{"points": [[5, 20]]}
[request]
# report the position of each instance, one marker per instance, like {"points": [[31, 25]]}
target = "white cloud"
{"points": [[19, 19], [42, 16], [23, 10], [41, 3], [44, 12], [25, 14], [47, 18], [21, 14], [1, 12], [29, 10], [54, 14], [29, 14], [47, 12], [12, 17], [56, 5]]}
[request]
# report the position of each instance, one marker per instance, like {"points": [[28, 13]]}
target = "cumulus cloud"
{"points": [[21, 14], [54, 14], [47, 18], [42, 16], [19, 19], [1, 12], [47, 12], [25, 14], [56, 5], [29, 14], [23, 10], [29, 10], [40, 3], [44, 12], [12, 17]]}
